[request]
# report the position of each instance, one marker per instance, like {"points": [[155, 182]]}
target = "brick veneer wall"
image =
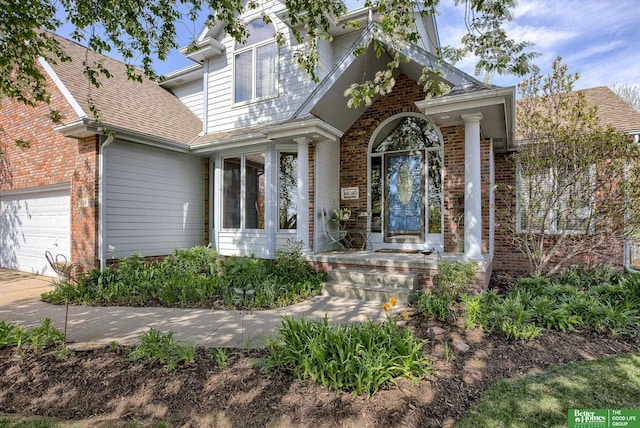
{"points": [[354, 154], [51, 160], [507, 256]]}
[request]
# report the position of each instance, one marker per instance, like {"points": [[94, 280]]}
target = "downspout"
{"points": [[627, 244], [102, 223], [205, 96]]}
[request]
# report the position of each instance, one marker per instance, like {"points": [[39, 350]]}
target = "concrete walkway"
{"points": [[20, 304]]}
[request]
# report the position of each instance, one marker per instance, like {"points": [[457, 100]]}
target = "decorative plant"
{"points": [[342, 213]]}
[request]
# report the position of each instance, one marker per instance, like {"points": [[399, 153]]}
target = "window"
{"points": [[231, 193], [255, 63], [287, 190], [243, 182], [254, 191], [555, 202]]}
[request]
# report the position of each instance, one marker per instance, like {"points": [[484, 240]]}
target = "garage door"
{"points": [[32, 223]]}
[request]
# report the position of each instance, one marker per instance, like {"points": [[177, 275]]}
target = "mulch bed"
{"points": [[103, 388]]}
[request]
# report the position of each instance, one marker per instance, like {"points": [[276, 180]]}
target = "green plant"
{"points": [[437, 306], [447, 352], [220, 356], [605, 301], [156, 346], [12, 335], [454, 277], [63, 353], [359, 358], [197, 277], [37, 338]]}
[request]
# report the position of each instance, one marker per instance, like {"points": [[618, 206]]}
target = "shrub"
{"points": [[360, 358], [454, 278], [156, 346], [197, 277]]}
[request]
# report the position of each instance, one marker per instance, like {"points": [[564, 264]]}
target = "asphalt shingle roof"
{"points": [[144, 108], [612, 110]]}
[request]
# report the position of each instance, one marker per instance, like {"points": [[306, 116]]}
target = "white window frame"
{"points": [[290, 150], [254, 70], [243, 190], [553, 224]]}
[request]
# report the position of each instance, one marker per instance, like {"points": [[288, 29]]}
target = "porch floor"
{"points": [[399, 260]]}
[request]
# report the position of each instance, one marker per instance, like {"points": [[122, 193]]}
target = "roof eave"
{"points": [[84, 128]]}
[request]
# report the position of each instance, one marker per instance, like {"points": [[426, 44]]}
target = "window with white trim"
{"points": [[255, 64], [243, 182], [555, 201], [287, 190]]}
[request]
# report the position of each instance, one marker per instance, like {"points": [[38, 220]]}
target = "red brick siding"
{"points": [[354, 145], [50, 160], [507, 256], [354, 154]]}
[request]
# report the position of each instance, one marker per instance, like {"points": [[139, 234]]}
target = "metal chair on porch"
{"points": [[334, 232]]}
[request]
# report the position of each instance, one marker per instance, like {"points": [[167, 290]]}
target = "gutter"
{"points": [[102, 198], [627, 244]]}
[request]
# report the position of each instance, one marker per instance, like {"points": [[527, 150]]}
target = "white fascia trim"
{"points": [[32, 190], [232, 142], [205, 48], [293, 129], [80, 129], [61, 86], [473, 100], [189, 73]]}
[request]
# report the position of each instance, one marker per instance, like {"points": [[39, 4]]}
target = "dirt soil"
{"points": [[102, 388]]}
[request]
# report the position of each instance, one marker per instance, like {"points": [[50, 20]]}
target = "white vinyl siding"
{"points": [[294, 86], [191, 96], [31, 223], [154, 200], [243, 243]]}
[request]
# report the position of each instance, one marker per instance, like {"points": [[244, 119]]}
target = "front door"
{"points": [[406, 184], [405, 207]]}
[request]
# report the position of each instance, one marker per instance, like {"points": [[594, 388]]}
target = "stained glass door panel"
{"points": [[405, 197]]}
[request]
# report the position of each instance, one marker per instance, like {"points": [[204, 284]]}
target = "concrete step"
{"points": [[369, 293], [374, 278]]}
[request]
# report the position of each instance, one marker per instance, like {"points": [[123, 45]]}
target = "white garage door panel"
{"points": [[31, 224]]}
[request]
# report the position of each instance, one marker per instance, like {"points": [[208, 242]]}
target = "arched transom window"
{"points": [[255, 63]]}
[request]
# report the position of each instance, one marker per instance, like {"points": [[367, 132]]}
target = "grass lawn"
{"points": [[543, 400]]}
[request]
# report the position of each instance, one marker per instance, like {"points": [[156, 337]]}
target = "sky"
{"points": [[599, 39]]}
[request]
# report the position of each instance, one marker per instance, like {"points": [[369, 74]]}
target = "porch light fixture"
{"points": [[445, 117]]}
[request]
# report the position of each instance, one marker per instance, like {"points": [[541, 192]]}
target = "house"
{"points": [[611, 111], [244, 151]]}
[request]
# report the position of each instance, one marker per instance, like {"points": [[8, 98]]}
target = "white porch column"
{"points": [[472, 187], [302, 216]]}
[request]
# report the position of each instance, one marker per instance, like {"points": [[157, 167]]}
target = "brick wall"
{"points": [[507, 256], [354, 144], [50, 160], [354, 147]]}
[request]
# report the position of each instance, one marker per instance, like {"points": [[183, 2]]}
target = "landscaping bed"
{"points": [[445, 363], [196, 278], [104, 388]]}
